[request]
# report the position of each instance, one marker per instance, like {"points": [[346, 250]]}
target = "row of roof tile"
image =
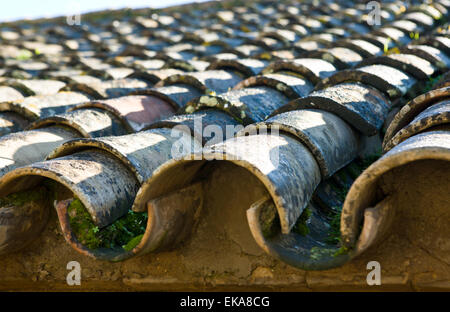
{"points": [[320, 75]]}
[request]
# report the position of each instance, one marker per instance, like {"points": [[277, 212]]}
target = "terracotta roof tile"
{"points": [[95, 108]]}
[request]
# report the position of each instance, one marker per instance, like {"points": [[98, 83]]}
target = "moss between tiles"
{"points": [[125, 232]]}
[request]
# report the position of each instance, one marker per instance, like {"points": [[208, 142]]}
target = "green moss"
{"points": [[431, 82], [364, 162], [386, 45], [353, 170], [356, 168], [341, 251], [82, 225], [20, 198], [340, 192], [24, 55], [334, 233], [414, 35], [269, 220], [125, 232], [394, 50], [317, 253], [133, 243], [301, 226], [440, 21]]}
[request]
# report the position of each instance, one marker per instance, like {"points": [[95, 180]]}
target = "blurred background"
{"points": [[20, 9]]}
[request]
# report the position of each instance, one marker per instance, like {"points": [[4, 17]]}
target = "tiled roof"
{"points": [[126, 109]]}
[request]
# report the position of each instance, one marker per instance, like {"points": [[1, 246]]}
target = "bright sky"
{"points": [[17, 9]]}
